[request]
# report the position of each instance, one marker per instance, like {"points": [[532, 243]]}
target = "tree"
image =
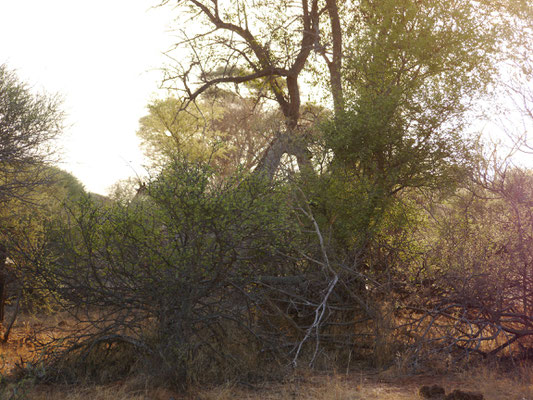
{"points": [[23, 224], [268, 45], [519, 83], [224, 130], [28, 125], [275, 45], [479, 254], [401, 77]]}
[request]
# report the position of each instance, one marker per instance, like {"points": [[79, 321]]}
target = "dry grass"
{"points": [[18, 347], [317, 387], [110, 392], [355, 386], [515, 383]]}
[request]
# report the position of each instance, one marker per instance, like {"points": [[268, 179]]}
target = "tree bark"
{"points": [[3, 258], [263, 64], [285, 143], [335, 65]]}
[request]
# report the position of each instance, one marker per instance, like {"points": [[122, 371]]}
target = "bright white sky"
{"points": [[102, 56]]}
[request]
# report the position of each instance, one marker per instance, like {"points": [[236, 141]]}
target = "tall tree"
{"points": [[413, 71], [224, 130], [28, 125], [268, 43], [275, 46]]}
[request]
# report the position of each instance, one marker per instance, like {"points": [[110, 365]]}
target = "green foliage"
{"points": [[210, 271], [165, 132], [65, 186], [23, 229], [413, 72], [173, 269], [28, 124], [224, 130]]}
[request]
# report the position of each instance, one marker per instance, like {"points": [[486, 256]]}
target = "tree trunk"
{"points": [[285, 143], [335, 65], [3, 258]]}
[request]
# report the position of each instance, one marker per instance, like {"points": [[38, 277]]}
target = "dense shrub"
{"points": [[172, 275]]}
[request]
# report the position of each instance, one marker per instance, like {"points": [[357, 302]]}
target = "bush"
{"points": [[172, 274]]}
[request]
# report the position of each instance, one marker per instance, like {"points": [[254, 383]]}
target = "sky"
{"points": [[103, 57]]}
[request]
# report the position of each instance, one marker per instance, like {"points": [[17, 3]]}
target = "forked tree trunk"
{"points": [[264, 63], [283, 144]]}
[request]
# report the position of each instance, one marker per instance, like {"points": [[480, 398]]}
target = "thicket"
{"points": [[374, 232], [174, 274], [30, 187], [198, 279]]}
